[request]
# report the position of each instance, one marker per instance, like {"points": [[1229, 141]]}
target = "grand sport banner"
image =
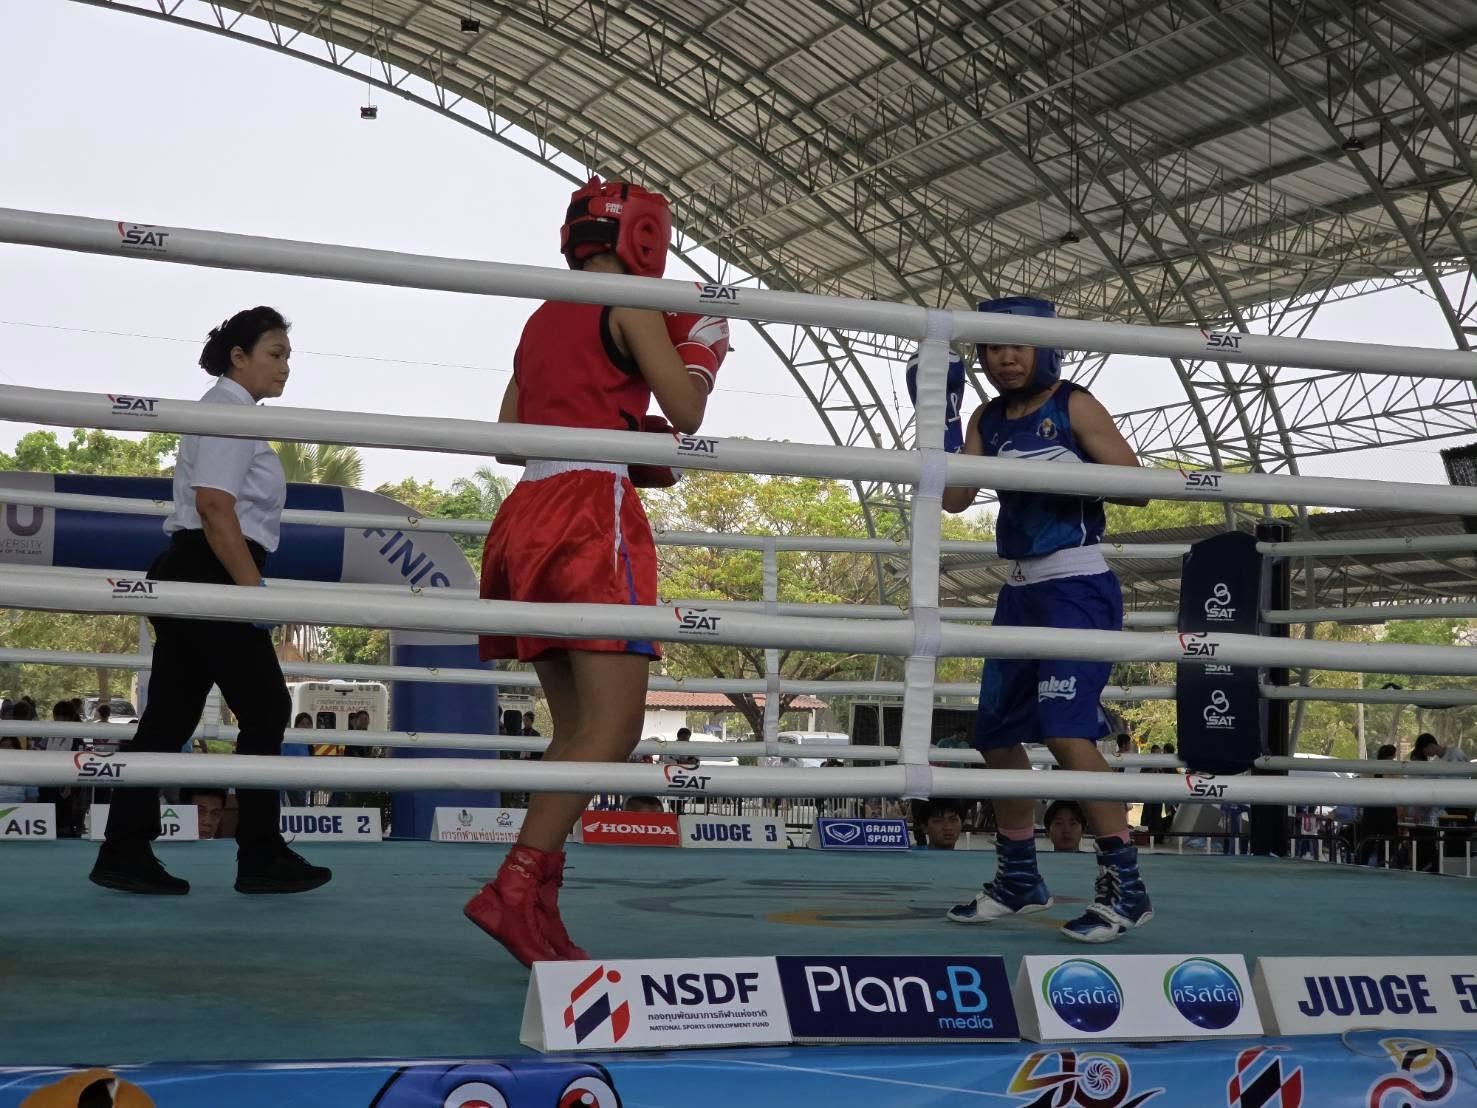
{"points": [[1365, 1070]]}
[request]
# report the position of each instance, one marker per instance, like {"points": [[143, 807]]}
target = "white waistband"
{"points": [[538, 471], [1074, 561]]}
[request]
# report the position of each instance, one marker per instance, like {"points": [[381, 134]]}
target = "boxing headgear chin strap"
{"points": [[1048, 369], [633, 222]]}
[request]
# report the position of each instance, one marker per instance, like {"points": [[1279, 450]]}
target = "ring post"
{"points": [[923, 585], [1268, 833]]}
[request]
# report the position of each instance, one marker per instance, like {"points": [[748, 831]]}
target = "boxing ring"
{"points": [[172, 996]]}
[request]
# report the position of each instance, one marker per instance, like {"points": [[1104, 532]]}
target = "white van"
{"points": [[331, 702], [814, 744]]}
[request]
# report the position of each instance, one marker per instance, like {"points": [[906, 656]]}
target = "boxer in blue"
{"points": [[1058, 578]]}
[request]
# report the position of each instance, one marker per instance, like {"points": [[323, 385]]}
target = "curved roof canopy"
{"points": [[1209, 162]]}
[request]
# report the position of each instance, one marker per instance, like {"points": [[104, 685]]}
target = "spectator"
{"points": [[24, 711], [1123, 744], [528, 727], [69, 799], [512, 722], [12, 794], [642, 804], [938, 822], [103, 713], [957, 739], [210, 806], [684, 734], [1379, 827], [303, 721], [1420, 818], [1430, 749], [1064, 825]]}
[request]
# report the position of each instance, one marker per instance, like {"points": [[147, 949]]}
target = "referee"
{"points": [[228, 497]]}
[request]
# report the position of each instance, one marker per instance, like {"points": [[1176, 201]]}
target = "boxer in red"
{"points": [[575, 532]]}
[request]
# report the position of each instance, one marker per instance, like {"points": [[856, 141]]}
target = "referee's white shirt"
{"points": [[247, 469]]}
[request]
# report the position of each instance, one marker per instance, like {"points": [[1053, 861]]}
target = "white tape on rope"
{"points": [[191, 246]]}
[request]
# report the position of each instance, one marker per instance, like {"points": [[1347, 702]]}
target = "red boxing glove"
{"points": [[701, 342], [655, 477]]}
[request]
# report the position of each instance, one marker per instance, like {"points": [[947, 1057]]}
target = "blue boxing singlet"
{"points": [[1032, 524]]}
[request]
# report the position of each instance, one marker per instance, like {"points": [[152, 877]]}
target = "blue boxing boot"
{"points": [[1121, 903], [1017, 889]]}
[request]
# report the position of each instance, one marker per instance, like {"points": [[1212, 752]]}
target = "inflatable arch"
{"points": [[101, 540]]}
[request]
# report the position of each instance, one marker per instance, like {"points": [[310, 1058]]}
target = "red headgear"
{"points": [[607, 216]]}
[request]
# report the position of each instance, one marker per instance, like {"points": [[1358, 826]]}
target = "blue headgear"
{"points": [[1048, 359]]}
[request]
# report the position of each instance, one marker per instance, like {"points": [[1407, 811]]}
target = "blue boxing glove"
{"points": [[953, 422]]}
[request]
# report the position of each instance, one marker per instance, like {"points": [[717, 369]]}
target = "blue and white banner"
{"points": [[860, 834], [1323, 996], [733, 832], [903, 999]]}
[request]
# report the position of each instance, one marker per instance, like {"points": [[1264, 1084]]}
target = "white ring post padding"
{"points": [[384, 267], [53, 407], [133, 596], [255, 771], [771, 656], [921, 666]]}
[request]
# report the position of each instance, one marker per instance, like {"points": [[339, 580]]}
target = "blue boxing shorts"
{"points": [[1028, 700]]}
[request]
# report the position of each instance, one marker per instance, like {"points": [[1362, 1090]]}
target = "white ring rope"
{"points": [[384, 267], [111, 733], [1113, 551], [466, 436], [347, 606], [381, 775], [1148, 620], [922, 637]]}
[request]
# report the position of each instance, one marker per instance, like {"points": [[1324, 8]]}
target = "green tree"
{"points": [[475, 497], [730, 503], [91, 452], [321, 463]]}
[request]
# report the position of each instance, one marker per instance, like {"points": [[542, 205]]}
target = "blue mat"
{"points": [[380, 963]]}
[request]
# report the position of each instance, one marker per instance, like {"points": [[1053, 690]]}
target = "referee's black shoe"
{"points": [[277, 869], [134, 869]]}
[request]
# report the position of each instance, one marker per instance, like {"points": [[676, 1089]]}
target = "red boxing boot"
{"points": [[548, 903], [508, 908]]}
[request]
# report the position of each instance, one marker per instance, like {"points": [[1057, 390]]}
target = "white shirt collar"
{"points": [[236, 391]]}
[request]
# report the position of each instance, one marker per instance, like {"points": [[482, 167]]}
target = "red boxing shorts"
{"points": [[577, 537]]}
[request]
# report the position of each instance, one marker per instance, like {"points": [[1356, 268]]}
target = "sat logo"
{"points": [[679, 779], [718, 294], [690, 444], [1222, 340], [133, 405], [92, 766], [131, 587], [697, 620], [141, 236], [1205, 785], [1198, 644]]}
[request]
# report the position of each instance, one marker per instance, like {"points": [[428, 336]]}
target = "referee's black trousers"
{"points": [[190, 655]]}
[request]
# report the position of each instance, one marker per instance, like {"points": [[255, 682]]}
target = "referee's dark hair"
{"points": [[244, 329]]}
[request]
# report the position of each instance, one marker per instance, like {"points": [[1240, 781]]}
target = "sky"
{"points": [[110, 115]]}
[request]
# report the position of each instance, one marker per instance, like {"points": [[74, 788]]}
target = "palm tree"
{"points": [[489, 488], [321, 464], [314, 464]]}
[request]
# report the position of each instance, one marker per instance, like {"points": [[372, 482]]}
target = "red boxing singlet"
{"points": [[572, 532], [571, 373]]}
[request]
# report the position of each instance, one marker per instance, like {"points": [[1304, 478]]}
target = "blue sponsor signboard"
{"points": [[898, 999], [861, 834]]}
